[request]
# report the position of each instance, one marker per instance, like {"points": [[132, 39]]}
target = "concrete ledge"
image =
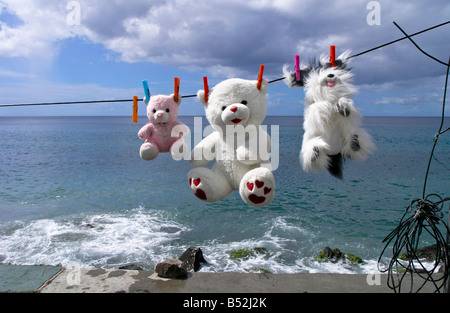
{"points": [[130, 281], [53, 279]]}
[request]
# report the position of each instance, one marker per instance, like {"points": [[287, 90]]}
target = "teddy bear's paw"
{"points": [[208, 185], [358, 146], [344, 106], [354, 143], [148, 151], [257, 189], [194, 183], [314, 159]]}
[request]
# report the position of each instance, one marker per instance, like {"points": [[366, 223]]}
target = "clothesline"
{"points": [[194, 95]]}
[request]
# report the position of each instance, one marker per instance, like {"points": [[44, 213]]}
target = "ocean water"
{"points": [[73, 190]]}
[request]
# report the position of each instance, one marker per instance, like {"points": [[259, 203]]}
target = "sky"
{"points": [[58, 50]]}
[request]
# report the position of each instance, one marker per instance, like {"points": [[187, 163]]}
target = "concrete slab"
{"points": [[25, 279], [131, 281]]}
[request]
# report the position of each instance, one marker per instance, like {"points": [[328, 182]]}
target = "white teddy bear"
{"points": [[235, 108], [331, 120]]}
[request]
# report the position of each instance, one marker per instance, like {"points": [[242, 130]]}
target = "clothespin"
{"points": [[146, 90], [333, 55], [205, 84], [297, 67], [135, 109], [260, 76], [177, 89]]}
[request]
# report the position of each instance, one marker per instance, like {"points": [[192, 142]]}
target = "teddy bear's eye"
{"points": [[154, 111], [223, 108], [167, 110], [244, 102]]}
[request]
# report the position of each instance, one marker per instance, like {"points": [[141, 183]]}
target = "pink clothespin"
{"points": [[333, 55], [297, 67]]}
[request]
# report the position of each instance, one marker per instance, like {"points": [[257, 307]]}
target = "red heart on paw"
{"points": [[256, 200], [267, 190], [250, 186], [197, 182], [259, 184], [200, 194]]}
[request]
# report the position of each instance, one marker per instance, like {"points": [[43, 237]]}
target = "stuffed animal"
{"points": [[331, 120], [163, 133], [235, 108]]}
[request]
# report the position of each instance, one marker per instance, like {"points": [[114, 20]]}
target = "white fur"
{"points": [[237, 166], [331, 120]]}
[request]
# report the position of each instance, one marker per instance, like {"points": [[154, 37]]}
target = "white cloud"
{"points": [[229, 37]]}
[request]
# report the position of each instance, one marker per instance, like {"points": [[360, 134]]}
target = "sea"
{"points": [[75, 192]]}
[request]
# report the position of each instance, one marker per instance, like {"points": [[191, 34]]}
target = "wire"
{"points": [[428, 55], [400, 39], [436, 137], [426, 215]]}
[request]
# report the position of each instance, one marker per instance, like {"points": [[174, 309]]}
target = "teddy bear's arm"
{"points": [[205, 151], [146, 131], [251, 154]]}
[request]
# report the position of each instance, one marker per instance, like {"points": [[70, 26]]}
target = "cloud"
{"points": [[232, 38]]}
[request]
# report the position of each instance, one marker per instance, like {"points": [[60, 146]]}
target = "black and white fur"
{"points": [[331, 120]]}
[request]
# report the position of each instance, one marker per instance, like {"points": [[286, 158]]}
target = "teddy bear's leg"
{"points": [[208, 185], [148, 151], [313, 155], [257, 187], [358, 144]]}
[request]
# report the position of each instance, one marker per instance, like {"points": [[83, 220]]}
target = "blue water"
{"points": [[73, 190]]}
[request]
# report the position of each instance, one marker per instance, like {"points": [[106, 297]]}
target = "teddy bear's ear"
{"points": [[264, 86], [173, 98], [201, 96]]}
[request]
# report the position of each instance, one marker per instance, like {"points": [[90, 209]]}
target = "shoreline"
{"points": [[57, 279]]}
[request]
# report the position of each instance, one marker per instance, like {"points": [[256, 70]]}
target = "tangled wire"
{"points": [[425, 216]]}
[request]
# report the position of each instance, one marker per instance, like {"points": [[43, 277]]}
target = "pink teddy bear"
{"points": [[163, 133]]}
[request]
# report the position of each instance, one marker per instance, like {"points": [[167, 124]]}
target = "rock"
{"points": [[353, 258], [192, 259], [246, 253], [335, 255], [171, 268], [133, 267], [428, 253]]}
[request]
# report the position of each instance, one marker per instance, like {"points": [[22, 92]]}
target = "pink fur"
{"points": [[159, 134]]}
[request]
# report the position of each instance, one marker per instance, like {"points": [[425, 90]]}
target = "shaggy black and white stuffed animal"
{"points": [[331, 120]]}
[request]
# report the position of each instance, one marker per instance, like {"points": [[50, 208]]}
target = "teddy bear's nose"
{"points": [[160, 115], [233, 109]]}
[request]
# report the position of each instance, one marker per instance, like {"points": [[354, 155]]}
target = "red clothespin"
{"points": [[177, 89], [260, 76], [333, 55], [135, 109], [297, 67], [205, 84]]}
